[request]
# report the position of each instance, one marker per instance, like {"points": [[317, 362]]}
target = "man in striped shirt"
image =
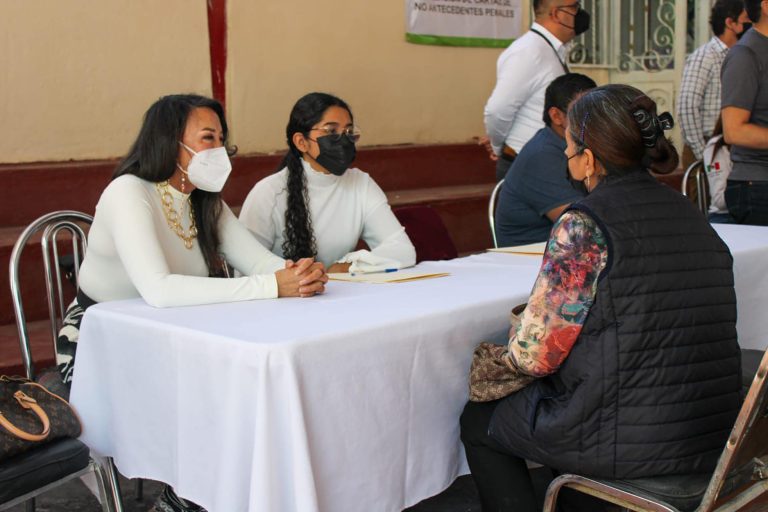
{"points": [[699, 102]]}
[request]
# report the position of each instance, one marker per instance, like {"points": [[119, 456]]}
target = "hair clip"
{"points": [[583, 128], [649, 127], [666, 122]]}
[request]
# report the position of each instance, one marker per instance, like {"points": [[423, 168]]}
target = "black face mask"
{"points": [[580, 22], [336, 155], [577, 185], [746, 26]]}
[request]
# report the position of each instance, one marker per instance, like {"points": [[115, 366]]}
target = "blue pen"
{"points": [[386, 270]]}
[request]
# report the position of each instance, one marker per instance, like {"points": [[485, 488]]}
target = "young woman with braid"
{"points": [[315, 205], [627, 347]]}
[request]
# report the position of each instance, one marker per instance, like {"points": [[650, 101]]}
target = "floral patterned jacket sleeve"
{"points": [[564, 291]]}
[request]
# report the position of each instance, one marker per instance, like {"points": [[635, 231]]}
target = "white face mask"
{"points": [[209, 169]]}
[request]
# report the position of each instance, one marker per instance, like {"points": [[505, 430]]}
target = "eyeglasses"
{"points": [[332, 130], [579, 147], [579, 152], [576, 5]]}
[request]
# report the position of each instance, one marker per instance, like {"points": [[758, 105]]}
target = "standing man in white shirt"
{"points": [[523, 72], [699, 102]]}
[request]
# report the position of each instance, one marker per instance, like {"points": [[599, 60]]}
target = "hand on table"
{"points": [[303, 278], [339, 268]]}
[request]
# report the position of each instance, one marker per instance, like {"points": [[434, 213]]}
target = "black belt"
{"points": [[508, 154]]}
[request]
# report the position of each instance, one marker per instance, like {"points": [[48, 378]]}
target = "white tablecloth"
{"points": [[749, 246], [344, 402]]}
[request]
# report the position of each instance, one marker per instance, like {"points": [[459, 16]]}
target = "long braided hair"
{"points": [[299, 236], [153, 155]]}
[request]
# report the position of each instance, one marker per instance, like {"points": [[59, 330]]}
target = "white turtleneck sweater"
{"points": [[132, 252], [343, 209]]}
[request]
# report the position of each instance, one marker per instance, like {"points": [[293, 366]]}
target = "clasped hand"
{"points": [[303, 278], [485, 141]]}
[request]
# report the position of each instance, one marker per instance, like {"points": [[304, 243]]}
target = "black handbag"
{"points": [[30, 416]]}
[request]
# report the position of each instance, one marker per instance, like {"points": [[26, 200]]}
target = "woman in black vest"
{"points": [[628, 343]]}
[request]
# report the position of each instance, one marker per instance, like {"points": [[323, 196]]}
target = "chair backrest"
{"points": [[59, 230], [696, 186], [492, 211], [745, 458], [427, 232]]}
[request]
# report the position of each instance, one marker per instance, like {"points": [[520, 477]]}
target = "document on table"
{"points": [[533, 249], [399, 276]]}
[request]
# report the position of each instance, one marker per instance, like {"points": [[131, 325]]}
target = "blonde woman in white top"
{"points": [[316, 206]]}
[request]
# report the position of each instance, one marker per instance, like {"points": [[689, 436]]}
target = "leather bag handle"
{"points": [[27, 402]]}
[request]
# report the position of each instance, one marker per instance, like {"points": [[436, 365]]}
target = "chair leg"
{"points": [[29, 506], [550, 498], [139, 489], [107, 502], [113, 484]]}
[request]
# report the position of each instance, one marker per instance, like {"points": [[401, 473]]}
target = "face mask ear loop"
{"points": [[188, 148]]}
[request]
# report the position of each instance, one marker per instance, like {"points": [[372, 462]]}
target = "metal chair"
{"points": [[492, 211], [50, 465], [698, 191], [740, 477]]}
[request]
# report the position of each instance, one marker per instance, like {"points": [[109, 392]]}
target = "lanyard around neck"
{"points": [[562, 63]]}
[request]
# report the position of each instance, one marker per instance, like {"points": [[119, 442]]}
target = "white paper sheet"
{"points": [[399, 276], [533, 249]]}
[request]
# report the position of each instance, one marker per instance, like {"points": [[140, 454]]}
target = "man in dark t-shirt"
{"points": [[745, 119], [536, 188]]}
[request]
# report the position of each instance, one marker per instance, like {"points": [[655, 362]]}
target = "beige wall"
{"points": [[399, 92], [76, 76]]}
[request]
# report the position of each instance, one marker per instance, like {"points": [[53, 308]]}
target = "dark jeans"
{"points": [[502, 478], [748, 201], [502, 166], [720, 218]]}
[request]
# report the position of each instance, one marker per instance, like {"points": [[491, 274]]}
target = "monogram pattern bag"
{"points": [[30, 416], [492, 375]]}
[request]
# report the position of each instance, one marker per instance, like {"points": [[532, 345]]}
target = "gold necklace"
{"points": [[172, 216]]}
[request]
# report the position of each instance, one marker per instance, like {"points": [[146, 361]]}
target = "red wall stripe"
{"points": [[217, 35]]}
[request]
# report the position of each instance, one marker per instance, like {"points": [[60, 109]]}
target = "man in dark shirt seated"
{"points": [[536, 188]]}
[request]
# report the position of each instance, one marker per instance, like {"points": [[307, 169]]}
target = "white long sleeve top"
{"points": [[343, 209], [514, 112], [132, 252]]}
